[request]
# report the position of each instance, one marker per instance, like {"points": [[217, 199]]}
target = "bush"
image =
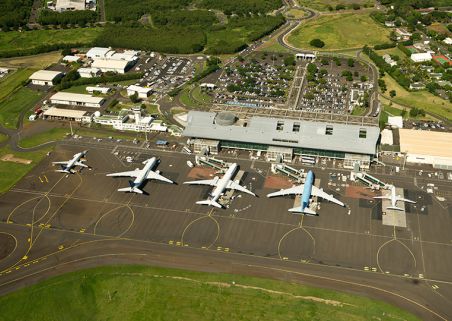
{"points": [[106, 78], [317, 43], [385, 46]]}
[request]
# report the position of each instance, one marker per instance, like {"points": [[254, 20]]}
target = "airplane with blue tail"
{"points": [[141, 175], [306, 190]]}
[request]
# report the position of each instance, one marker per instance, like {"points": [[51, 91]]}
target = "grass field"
{"points": [[420, 99], [13, 81], [392, 51], [295, 14], [339, 31], [11, 173], [322, 5], [40, 61], [15, 40], [11, 107], [145, 293], [77, 89]]}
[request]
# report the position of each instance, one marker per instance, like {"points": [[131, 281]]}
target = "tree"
{"points": [[134, 98], [289, 61], [363, 78], [340, 7], [351, 62], [317, 43], [312, 68], [356, 6], [392, 93]]}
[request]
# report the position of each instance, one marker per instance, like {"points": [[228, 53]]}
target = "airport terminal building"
{"points": [[284, 137]]}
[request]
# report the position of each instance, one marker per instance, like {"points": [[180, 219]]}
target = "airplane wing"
{"points": [[383, 197], [154, 175], [129, 174], [211, 182], [238, 187], [320, 193], [405, 200], [289, 191], [60, 163], [80, 164]]}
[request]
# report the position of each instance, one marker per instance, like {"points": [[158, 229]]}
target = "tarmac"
{"points": [[51, 223]]}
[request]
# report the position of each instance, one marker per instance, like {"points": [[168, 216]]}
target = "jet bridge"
{"points": [[218, 164], [295, 174]]}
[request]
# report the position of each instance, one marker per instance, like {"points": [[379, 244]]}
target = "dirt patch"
{"points": [[277, 182], [359, 192], [201, 173], [11, 158]]}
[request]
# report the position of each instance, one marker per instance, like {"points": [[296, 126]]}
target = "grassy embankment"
{"points": [[322, 5], [13, 105], [419, 99], [145, 293], [13, 81], [340, 32]]}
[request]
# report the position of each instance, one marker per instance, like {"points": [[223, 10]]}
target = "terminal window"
{"points": [[296, 127], [280, 125], [362, 133], [329, 130]]}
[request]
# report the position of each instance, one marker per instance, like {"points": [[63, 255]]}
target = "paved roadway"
{"points": [[51, 224]]}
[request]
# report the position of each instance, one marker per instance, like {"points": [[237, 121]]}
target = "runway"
{"points": [[52, 223]]}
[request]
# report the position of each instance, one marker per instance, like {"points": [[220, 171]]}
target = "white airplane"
{"points": [[67, 167], [141, 175], [306, 190], [394, 199], [221, 184]]}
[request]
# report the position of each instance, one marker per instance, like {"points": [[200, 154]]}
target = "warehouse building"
{"points": [[89, 72], [54, 113], [142, 92], [285, 137], [64, 98], [69, 5], [45, 77], [427, 147], [118, 66]]}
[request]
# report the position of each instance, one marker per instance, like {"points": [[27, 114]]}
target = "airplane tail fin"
{"points": [[394, 208], [210, 203], [305, 211], [131, 189]]}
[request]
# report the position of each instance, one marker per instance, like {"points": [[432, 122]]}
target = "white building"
{"points": [[98, 52], [389, 60], [448, 41], [4, 70], [71, 58], [421, 57], [89, 72], [44, 77], [208, 86], [69, 5], [127, 55], [100, 90], [395, 121], [118, 66], [135, 122], [64, 98], [142, 92], [307, 56]]}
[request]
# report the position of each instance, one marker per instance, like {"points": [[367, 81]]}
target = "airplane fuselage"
{"points": [[74, 160], [144, 172], [223, 182], [305, 198], [393, 196]]}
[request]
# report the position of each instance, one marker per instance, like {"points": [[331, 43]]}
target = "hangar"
{"points": [[118, 66], [427, 147], [352, 143], [45, 77], [64, 98]]}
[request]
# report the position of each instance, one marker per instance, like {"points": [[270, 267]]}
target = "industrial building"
{"points": [[71, 58], [99, 90], [118, 66], [285, 137], [421, 57], [427, 147], [69, 5], [54, 113], [97, 52], [142, 92], [89, 72], [64, 98], [45, 77]]}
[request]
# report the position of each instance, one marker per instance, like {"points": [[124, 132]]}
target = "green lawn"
{"points": [[15, 40], [392, 51], [420, 99], [359, 111], [340, 31], [77, 89], [145, 293], [201, 96], [11, 107], [13, 81], [11, 173], [3, 138]]}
